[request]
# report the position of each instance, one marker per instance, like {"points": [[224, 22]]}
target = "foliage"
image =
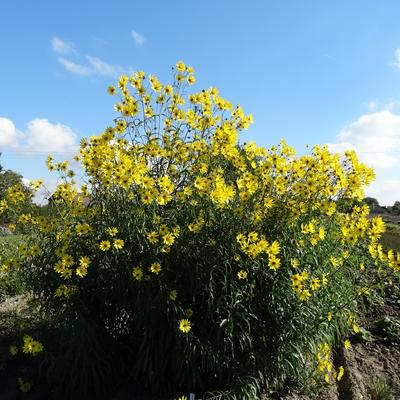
{"points": [[11, 183], [396, 208], [379, 389], [10, 276], [371, 202], [389, 327], [192, 262]]}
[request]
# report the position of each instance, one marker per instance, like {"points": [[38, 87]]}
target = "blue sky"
{"points": [[310, 72]]}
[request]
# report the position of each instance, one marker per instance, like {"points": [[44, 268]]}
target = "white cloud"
{"points": [[93, 66], [75, 68], [61, 47], [372, 105], [340, 147], [96, 67], [397, 58], [100, 67], [9, 135], [375, 137], [40, 136], [138, 38], [386, 191], [391, 104]]}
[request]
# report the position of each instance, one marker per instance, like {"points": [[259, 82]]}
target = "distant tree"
{"points": [[371, 202], [9, 178], [396, 208]]}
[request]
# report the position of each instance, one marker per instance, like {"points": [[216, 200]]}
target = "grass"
{"points": [[379, 389], [391, 227]]}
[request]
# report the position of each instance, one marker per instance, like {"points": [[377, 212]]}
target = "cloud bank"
{"points": [[376, 139], [40, 136]]}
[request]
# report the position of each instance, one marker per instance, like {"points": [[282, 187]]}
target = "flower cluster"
{"points": [[178, 224]]}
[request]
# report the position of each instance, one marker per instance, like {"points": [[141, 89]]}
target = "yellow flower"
{"points": [[84, 261], [105, 245], [168, 90], [242, 274], [253, 236], [189, 312], [148, 112], [173, 295], [304, 295], [152, 237], [334, 261], [364, 291], [137, 273], [163, 229], [81, 271], [112, 231], [168, 239], [294, 262], [274, 263], [275, 248], [184, 325], [347, 344], [180, 66], [111, 90], [67, 260], [340, 373], [155, 268], [31, 346], [118, 244], [315, 284]]}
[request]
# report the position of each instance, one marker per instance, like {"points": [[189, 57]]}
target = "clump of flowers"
{"points": [[31, 346], [201, 261]]}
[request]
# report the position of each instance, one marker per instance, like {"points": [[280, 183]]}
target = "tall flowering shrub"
{"points": [[189, 261]]}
